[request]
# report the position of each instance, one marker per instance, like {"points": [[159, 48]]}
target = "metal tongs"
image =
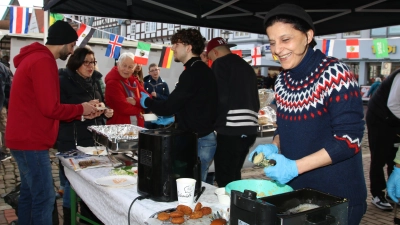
{"points": [[259, 160]]}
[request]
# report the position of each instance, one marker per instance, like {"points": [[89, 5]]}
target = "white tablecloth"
{"points": [[111, 205]]}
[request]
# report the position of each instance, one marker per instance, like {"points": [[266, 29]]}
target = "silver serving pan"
{"points": [[121, 137]]}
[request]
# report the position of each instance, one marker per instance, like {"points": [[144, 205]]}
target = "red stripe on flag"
{"points": [[19, 19], [351, 55], [166, 56], [81, 29], [324, 46], [352, 42]]}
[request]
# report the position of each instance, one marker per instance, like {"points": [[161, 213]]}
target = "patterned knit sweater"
{"points": [[319, 106]]}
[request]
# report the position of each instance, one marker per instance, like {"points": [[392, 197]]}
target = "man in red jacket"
{"points": [[33, 120]]}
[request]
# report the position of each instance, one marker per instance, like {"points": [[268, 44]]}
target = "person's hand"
{"points": [[267, 150], [108, 113], [143, 98], [164, 120], [154, 94], [131, 100], [284, 170], [393, 185], [88, 108], [94, 102]]}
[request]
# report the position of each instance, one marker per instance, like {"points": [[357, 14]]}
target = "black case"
{"points": [[272, 210], [163, 156]]}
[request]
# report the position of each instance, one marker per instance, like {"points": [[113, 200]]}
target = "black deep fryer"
{"points": [[165, 155], [246, 209]]}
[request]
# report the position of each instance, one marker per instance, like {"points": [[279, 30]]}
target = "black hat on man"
{"points": [[61, 33], [290, 10]]}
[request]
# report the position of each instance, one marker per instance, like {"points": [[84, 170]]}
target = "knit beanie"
{"points": [[61, 33]]}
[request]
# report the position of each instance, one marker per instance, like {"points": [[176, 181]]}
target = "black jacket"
{"points": [[238, 101], [194, 100], [75, 90], [377, 104], [158, 86]]}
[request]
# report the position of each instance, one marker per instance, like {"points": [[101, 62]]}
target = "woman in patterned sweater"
{"points": [[319, 115]]}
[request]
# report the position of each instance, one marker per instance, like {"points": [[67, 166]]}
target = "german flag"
{"points": [[166, 57]]}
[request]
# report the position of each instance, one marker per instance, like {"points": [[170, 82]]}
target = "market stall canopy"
{"points": [[329, 17]]}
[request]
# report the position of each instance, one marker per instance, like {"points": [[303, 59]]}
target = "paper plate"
{"points": [[116, 181]]}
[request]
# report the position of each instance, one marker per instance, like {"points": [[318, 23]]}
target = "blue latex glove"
{"points": [[143, 98], [393, 185], [164, 120], [267, 150], [284, 170]]}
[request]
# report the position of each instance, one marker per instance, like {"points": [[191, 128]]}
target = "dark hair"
{"points": [[152, 65], [76, 59], [297, 24], [191, 37]]}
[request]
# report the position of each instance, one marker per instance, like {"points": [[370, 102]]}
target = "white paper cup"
{"points": [[220, 191], [185, 188]]}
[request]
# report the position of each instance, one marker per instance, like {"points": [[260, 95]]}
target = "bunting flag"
{"points": [[114, 46], [166, 57], [142, 53], [352, 48], [54, 17], [19, 20], [256, 56], [237, 52], [381, 47], [84, 34], [327, 47]]}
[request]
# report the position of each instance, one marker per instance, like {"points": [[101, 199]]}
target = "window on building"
{"points": [[379, 32], [394, 30], [170, 26], [133, 29], [150, 27], [241, 34], [352, 34]]}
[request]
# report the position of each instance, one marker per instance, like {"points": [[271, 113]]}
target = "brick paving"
{"points": [[9, 176]]}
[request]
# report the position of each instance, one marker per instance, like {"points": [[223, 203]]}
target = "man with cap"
{"points": [[33, 120], [195, 97], [237, 110]]}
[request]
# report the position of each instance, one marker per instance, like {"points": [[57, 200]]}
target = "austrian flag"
{"points": [[352, 48], [84, 35], [19, 20], [142, 53]]}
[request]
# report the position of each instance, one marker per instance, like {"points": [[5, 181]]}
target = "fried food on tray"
{"points": [[163, 216], [218, 222], [196, 215], [198, 207], [206, 210], [185, 209], [176, 214], [177, 220]]}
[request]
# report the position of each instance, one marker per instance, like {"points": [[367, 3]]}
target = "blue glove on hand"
{"points": [[164, 120], [267, 150], [143, 98], [393, 185], [284, 170]]}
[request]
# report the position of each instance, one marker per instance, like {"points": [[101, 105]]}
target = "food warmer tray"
{"points": [[121, 137]]}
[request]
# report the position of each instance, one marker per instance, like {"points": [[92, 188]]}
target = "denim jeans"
{"points": [[206, 147], [37, 195]]}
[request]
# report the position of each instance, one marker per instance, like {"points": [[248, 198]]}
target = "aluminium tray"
{"points": [[121, 137]]}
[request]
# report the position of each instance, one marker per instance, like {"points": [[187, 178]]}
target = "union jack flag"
{"points": [[114, 46]]}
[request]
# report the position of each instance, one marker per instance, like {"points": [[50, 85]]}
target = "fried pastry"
{"points": [[196, 215], [198, 207], [163, 216], [206, 210], [177, 220], [185, 209], [176, 214]]}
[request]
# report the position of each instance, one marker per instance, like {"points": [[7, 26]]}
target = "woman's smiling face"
{"points": [[289, 44]]}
